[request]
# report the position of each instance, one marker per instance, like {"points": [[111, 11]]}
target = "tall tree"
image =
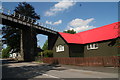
{"points": [[70, 31], [27, 10], [11, 34], [11, 37], [45, 46]]}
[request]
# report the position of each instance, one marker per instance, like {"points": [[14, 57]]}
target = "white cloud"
{"points": [[64, 5], [48, 13], [57, 22], [61, 6], [80, 24], [54, 23], [47, 22]]}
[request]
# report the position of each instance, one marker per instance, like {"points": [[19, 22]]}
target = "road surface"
{"points": [[32, 70]]}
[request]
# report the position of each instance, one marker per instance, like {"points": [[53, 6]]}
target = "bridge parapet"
{"points": [[26, 20]]}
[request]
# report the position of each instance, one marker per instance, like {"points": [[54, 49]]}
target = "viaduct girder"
{"points": [[29, 28]]}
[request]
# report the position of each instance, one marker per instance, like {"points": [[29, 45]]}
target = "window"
{"points": [[59, 48], [92, 46]]}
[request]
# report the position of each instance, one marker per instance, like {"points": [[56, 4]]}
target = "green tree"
{"points": [[0, 48], [70, 31], [11, 37], [47, 53], [45, 46], [11, 34], [27, 10], [5, 52]]}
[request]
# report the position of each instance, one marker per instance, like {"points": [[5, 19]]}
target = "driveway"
{"points": [[33, 70]]}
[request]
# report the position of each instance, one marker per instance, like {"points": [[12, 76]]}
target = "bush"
{"points": [[48, 53], [5, 55], [39, 54], [5, 52]]}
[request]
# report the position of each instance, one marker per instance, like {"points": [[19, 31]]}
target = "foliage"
{"points": [[11, 37], [48, 53], [27, 10], [11, 34], [45, 46], [70, 31], [39, 54], [5, 52]]}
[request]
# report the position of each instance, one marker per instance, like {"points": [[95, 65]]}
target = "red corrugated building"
{"points": [[101, 41]]}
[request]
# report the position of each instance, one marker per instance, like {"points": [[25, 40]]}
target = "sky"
{"points": [[79, 16]]}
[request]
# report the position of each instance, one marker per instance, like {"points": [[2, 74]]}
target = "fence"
{"points": [[86, 61]]}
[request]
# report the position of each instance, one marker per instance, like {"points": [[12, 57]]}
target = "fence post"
{"points": [[103, 64]]}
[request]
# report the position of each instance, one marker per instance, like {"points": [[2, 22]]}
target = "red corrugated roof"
{"points": [[71, 38], [94, 35]]}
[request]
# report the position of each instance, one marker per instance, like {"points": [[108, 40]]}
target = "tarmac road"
{"points": [[32, 70]]}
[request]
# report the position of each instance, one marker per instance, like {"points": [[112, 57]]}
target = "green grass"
{"points": [[39, 61]]}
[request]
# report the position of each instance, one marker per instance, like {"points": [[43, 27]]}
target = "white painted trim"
{"points": [[92, 46], [59, 48]]}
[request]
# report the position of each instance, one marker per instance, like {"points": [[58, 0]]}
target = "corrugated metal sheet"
{"points": [[106, 32]]}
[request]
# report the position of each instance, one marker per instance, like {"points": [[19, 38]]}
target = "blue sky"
{"points": [[79, 16]]}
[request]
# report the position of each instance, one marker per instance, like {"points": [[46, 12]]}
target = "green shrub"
{"points": [[5, 52], [5, 55], [39, 54], [48, 53]]}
